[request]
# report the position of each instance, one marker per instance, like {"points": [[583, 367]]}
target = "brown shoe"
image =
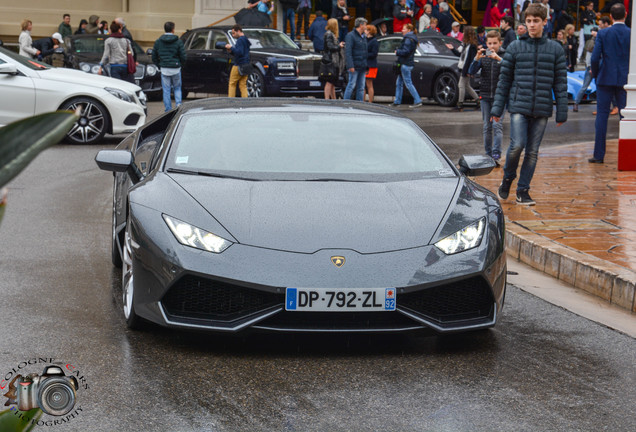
{"points": [[593, 112], [614, 111]]}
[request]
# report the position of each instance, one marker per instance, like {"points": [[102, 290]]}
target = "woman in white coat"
{"points": [[25, 41]]}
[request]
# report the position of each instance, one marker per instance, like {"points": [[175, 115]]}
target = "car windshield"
{"points": [[31, 64], [96, 45], [304, 146], [269, 39]]}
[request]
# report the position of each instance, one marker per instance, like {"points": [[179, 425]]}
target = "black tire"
{"points": [[93, 123], [133, 321], [446, 90], [255, 84], [116, 239]]}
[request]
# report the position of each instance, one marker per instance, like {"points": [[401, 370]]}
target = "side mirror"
{"points": [[119, 161], [8, 68], [220, 45], [476, 165], [149, 51]]}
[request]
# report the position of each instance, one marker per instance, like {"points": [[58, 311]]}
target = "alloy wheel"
{"points": [[92, 124]]}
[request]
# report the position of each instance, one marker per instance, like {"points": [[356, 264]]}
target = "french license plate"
{"points": [[338, 300], [315, 83]]}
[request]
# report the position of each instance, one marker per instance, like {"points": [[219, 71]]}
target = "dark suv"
{"points": [[280, 66], [84, 52]]}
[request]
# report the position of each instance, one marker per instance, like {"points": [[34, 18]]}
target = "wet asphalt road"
{"points": [[541, 368]]}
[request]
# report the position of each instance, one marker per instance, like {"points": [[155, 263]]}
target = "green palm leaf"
{"points": [[22, 141], [10, 422]]}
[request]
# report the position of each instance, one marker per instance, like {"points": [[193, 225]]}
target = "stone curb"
{"points": [[609, 281]]}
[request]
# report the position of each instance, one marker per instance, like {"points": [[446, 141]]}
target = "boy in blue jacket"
{"points": [[532, 69]]}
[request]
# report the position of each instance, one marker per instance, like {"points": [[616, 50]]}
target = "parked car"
{"points": [[107, 105], [280, 66], [84, 52], [268, 231], [575, 82], [435, 74]]}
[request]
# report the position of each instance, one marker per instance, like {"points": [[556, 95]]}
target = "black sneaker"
{"points": [[504, 189], [523, 198]]}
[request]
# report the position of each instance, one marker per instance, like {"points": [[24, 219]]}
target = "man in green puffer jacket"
{"points": [[532, 69], [169, 54]]}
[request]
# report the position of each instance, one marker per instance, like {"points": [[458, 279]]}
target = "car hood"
{"points": [[308, 216], [76, 77]]}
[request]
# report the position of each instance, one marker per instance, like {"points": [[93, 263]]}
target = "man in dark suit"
{"points": [[610, 67]]}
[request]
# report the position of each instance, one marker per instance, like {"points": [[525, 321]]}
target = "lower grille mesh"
{"points": [[195, 297], [462, 300]]}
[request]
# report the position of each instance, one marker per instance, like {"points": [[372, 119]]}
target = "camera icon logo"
{"points": [[53, 392]]}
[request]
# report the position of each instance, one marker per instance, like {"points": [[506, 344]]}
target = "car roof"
{"points": [[229, 27], [420, 36], [287, 105]]}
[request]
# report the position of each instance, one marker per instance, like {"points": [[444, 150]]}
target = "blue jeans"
{"points": [[168, 82], [604, 97], [526, 134], [493, 131], [404, 78], [289, 15], [587, 79], [121, 72], [356, 80]]}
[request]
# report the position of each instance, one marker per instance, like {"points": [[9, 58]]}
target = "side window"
{"points": [[388, 46], [428, 47], [440, 45], [150, 140], [199, 41], [217, 36]]}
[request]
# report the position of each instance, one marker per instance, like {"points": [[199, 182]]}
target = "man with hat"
{"points": [[455, 33], [47, 45]]}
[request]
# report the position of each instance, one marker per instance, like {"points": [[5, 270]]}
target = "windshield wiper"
{"points": [[334, 180], [207, 174]]}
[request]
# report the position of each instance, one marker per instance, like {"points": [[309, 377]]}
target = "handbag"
{"points": [[397, 67], [132, 64], [245, 69], [326, 71]]}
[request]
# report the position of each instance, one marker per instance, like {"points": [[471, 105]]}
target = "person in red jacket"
{"points": [[402, 15], [495, 14]]}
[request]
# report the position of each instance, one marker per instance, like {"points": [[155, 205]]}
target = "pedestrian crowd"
{"points": [[523, 69], [119, 56]]}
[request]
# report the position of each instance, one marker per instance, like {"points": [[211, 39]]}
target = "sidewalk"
{"points": [[583, 228]]}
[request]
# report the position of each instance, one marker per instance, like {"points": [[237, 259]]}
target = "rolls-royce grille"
{"points": [[195, 297], [308, 68], [463, 300]]}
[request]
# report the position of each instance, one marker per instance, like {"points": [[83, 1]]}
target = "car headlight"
{"points": [[151, 70], [89, 68], [120, 94], [189, 235], [286, 66], [464, 239]]}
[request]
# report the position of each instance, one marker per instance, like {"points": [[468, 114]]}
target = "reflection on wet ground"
{"points": [[584, 206]]}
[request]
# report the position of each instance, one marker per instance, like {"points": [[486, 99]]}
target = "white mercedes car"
{"points": [[107, 105]]}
